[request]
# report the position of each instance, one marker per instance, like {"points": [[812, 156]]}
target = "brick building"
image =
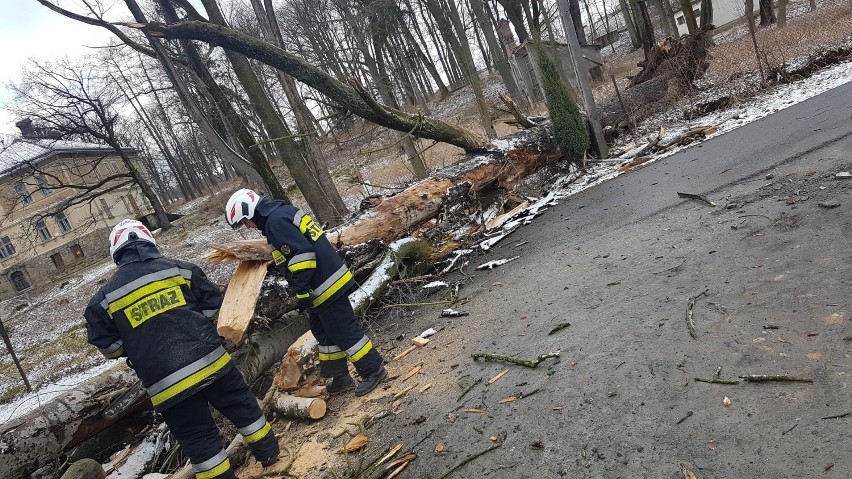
{"points": [[46, 236]]}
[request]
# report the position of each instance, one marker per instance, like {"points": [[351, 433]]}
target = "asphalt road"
{"points": [[619, 261], [747, 151]]}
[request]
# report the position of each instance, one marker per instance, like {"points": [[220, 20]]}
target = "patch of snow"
{"points": [[35, 399], [496, 263], [435, 285]]}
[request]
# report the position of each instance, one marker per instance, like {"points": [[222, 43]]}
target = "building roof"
{"points": [[32, 150]]}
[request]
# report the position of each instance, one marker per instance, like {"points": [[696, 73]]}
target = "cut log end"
{"points": [[300, 408]]}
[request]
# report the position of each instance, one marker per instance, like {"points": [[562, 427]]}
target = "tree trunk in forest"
{"points": [[326, 204], [515, 14], [669, 17], [657, 6], [347, 97], [187, 97], [627, 14], [782, 12], [767, 13], [258, 160], [689, 16], [706, 12], [577, 18], [499, 56], [462, 48], [643, 21]]}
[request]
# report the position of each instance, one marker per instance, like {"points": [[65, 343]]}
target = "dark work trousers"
{"points": [[340, 336], [193, 427]]}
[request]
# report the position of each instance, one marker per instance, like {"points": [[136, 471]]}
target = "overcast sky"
{"points": [[29, 30]]}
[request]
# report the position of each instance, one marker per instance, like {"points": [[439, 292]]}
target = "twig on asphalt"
{"points": [[696, 197], [689, 305], [450, 471], [788, 430], [468, 389], [763, 378], [836, 416], [684, 418], [530, 363], [559, 327]]}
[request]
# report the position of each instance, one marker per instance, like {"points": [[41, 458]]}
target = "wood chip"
{"points": [[726, 402], [390, 454], [404, 353], [424, 388], [439, 448], [396, 404], [473, 411], [411, 373], [687, 472], [419, 342], [498, 376], [354, 444], [508, 399], [404, 391]]}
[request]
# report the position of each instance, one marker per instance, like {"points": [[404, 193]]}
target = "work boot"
{"points": [[371, 382], [340, 385]]}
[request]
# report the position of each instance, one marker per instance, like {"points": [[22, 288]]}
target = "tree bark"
{"points": [[499, 55], [397, 215], [629, 20], [767, 13], [689, 16]]}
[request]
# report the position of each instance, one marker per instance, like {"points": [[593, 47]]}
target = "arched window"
{"points": [[19, 281]]}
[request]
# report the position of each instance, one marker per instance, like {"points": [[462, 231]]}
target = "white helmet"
{"points": [[241, 206], [127, 231]]}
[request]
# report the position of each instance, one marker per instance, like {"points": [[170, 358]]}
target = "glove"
{"points": [[303, 302]]}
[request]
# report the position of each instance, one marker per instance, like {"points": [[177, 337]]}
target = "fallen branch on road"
{"points": [[763, 378], [530, 363], [689, 305], [450, 471]]}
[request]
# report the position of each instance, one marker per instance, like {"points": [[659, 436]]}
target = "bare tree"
{"points": [[78, 102]]}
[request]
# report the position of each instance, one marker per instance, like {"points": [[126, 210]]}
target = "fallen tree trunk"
{"points": [[294, 407], [398, 215]]}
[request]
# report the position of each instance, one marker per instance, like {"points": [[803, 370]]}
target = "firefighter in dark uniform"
{"points": [[157, 312], [321, 282]]}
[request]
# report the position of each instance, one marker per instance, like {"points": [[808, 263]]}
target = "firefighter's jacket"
{"points": [[300, 247], [157, 312]]}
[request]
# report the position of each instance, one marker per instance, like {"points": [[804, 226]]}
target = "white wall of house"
{"points": [[724, 12]]}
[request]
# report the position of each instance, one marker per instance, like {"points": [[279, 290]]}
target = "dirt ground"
{"points": [[621, 400]]}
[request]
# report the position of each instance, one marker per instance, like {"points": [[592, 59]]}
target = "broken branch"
{"points": [[530, 363], [689, 305], [762, 378]]}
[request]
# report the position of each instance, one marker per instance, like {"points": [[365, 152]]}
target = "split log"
{"points": [[294, 407], [240, 299]]}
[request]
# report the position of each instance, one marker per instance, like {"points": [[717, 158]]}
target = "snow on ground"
{"points": [[35, 399]]}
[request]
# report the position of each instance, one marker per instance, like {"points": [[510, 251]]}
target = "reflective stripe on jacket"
{"points": [[312, 266], [157, 313]]}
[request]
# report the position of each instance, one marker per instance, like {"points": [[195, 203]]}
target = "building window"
{"points": [[681, 20], [105, 208], [62, 222], [23, 193], [43, 232], [77, 251], [44, 185], [19, 281], [57, 260], [6, 247]]}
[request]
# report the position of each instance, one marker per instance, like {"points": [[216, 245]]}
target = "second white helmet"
{"points": [[127, 231], [241, 206]]}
